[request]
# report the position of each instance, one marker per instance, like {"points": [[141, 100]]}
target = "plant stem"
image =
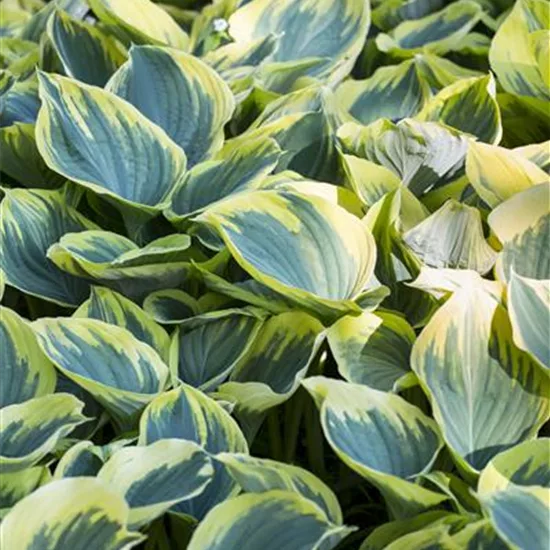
{"points": [[293, 416], [274, 431]]}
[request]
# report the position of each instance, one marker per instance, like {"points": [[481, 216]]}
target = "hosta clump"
{"points": [[274, 275]]}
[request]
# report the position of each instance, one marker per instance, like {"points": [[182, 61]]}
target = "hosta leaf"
{"points": [[387, 15], [170, 306], [469, 105], [21, 159], [525, 465], [537, 153], [513, 54], [372, 349], [15, 486], [244, 168], [78, 513], [295, 262], [258, 475], [30, 430], [438, 33], [252, 521], [497, 173], [422, 154], [102, 142], [440, 283], [139, 22], [121, 372], [521, 223], [271, 369], [529, 309], [109, 306], [380, 436], [86, 52], [25, 371], [114, 260], [369, 180], [82, 459], [155, 477], [520, 516], [439, 72], [204, 356], [393, 92], [306, 29], [179, 93], [487, 395], [20, 104], [382, 537], [30, 222], [187, 413], [452, 237]]}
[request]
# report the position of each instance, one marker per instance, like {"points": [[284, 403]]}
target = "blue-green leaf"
{"points": [[86, 52], [25, 371], [121, 372], [104, 143], [30, 222], [179, 93], [30, 430], [254, 521], [77, 513], [152, 478]]}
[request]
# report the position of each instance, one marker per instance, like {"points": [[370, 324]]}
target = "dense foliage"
{"points": [[274, 274]]}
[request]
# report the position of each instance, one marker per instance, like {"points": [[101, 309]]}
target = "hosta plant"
{"points": [[275, 275]]}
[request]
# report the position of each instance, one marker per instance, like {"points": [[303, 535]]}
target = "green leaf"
{"points": [[155, 477], [380, 436], [295, 262], [524, 465], [139, 22], [452, 237], [79, 125], [470, 106], [15, 486], [241, 169], [179, 93], [497, 173], [438, 33], [520, 516], [514, 50], [253, 521], [258, 475], [387, 15], [116, 261], [204, 355], [109, 306], [86, 52], [529, 309], [303, 30], [393, 92], [30, 430], [521, 224], [486, 394], [372, 349], [21, 159], [272, 368], [30, 222], [170, 306], [82, 459], [382, 537], [187, 413], [77, 513], [25, 371], [122, 373], [422, 154]]}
